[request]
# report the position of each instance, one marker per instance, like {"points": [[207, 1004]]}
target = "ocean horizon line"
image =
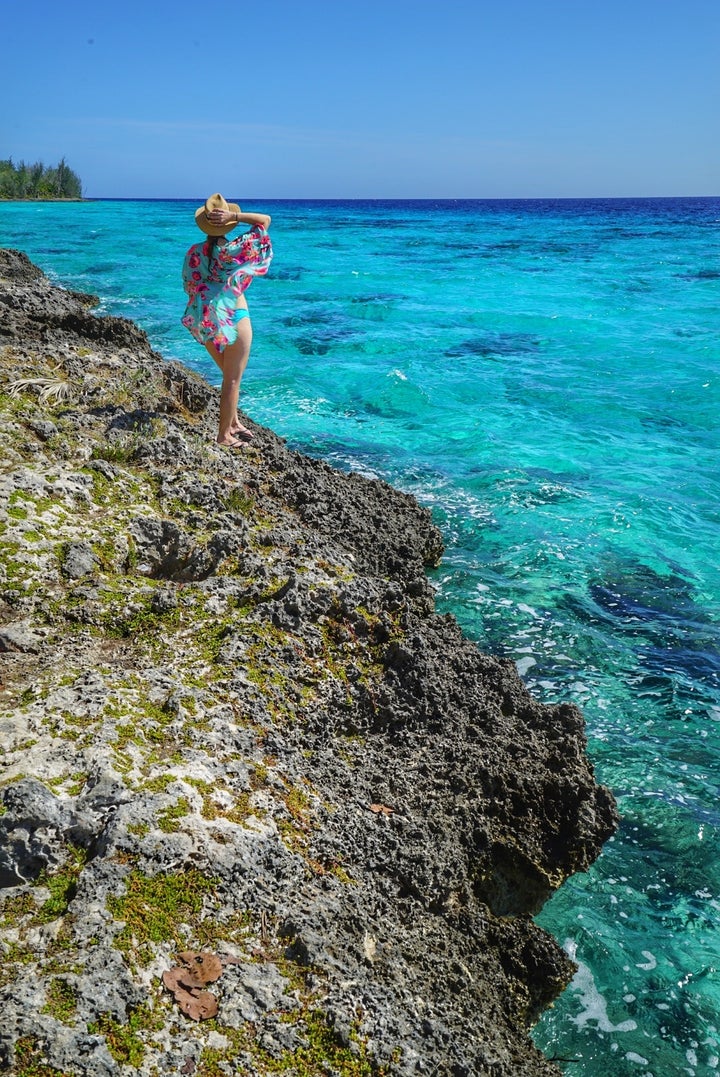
{"points": [[425, 200]]}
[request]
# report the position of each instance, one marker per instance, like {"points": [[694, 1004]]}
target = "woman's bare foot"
{"points": [[240, 431]]}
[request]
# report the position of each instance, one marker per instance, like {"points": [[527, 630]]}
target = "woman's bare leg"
{"points": [[218, 357], [232, 361]]}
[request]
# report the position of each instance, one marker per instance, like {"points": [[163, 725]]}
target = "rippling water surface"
{"points": [[544, 376]]}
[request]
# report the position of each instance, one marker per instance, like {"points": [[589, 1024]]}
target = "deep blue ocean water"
{"points": [[544, 376]]}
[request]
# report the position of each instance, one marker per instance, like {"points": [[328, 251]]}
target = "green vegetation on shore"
{"points": [[38, 181]]}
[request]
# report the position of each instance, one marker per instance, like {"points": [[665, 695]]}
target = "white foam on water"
{"points": [[632, 1057], [525, 664], [594, 1005], [648, 965]]}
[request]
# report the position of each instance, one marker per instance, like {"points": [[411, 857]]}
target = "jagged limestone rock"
{"points": [[231, 721]]}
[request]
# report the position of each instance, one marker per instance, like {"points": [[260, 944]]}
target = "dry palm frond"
{"points": [[54, 390]]}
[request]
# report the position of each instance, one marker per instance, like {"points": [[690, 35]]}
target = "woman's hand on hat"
{"points": [[221, 217]]}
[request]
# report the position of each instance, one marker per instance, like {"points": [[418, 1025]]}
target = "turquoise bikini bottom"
{"points": [[240, 313]]}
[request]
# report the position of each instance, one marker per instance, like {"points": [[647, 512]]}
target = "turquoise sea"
{"points": [[544, 376]]}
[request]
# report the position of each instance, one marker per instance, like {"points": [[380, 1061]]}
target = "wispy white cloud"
{"points": [[289, 135]]}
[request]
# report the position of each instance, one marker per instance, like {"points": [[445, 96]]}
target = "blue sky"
{"points": [[456, 99]]}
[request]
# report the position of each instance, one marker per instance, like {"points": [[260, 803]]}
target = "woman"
{"points": [[216, 274]]}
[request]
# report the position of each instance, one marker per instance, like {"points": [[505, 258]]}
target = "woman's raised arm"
{"points": [[262, 219], [223, 217]]}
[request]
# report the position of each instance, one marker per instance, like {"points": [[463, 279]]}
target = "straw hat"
{"points": [[215, 201]]}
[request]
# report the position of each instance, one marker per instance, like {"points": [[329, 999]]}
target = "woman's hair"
{"points": [[212, 242]]}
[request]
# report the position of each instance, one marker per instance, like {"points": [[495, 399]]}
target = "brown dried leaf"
{"points": [[200, 1005], [203, 968], [197, 1004], [381, 808], [173, 979]]}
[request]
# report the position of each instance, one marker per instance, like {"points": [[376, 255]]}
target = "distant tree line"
{"points": [[38, 181]]}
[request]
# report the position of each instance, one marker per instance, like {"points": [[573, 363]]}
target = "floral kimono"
{"points": [[213, 284]]}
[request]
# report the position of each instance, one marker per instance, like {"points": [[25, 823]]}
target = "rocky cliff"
{"points": [[233, 728]]}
